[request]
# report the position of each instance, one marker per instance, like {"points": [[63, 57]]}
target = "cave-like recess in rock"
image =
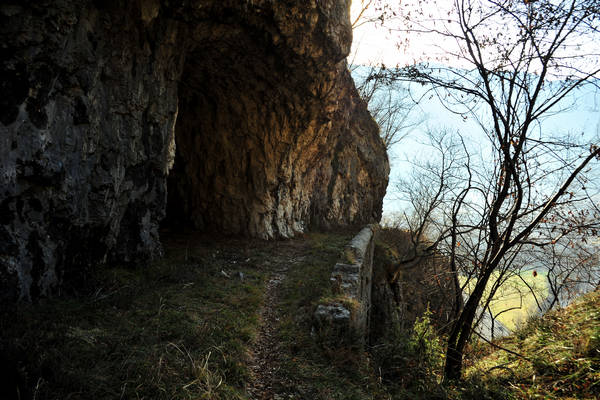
{"points": [[238, 117]]}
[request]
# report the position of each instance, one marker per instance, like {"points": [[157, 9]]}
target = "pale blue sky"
{"points": [[583, 117], [374, 44]]}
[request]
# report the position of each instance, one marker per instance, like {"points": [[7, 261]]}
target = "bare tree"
{"points": [[526, 61], [360, 18], [571, 266], [451, 198], [371, 11], [389, 102]]}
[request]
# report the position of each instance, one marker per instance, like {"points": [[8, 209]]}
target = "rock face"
{"points": [[242, 111]]}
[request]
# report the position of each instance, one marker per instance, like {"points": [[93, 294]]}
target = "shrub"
{"points": [[411, 359]]}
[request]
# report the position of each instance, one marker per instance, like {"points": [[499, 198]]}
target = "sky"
{"points": [[374, 44], [393, 45], [584, 117]]}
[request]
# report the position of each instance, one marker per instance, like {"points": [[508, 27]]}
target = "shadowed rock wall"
{"points": [[270, 155], [89, 99], [250, 100]]}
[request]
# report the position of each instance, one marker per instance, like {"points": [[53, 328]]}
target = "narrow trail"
{"points": [[264, 357]]}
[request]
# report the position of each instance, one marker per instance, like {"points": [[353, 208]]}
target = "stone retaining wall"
{"points": [[351, 281]]}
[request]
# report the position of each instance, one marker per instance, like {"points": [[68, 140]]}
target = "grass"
{"points": [[561, 356], [178, 328], [314, 366], [182, 327], [560, 352]]}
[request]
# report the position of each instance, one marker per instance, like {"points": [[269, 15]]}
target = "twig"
{"points": [[503, 366], [502, 348]]}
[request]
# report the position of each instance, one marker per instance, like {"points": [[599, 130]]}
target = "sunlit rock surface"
{"points": [[242, 111]]}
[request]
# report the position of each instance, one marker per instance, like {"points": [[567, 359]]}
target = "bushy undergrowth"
{"points": [[410, 360], [426, 283]]}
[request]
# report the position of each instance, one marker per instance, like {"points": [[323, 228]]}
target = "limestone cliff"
{"points": [[242, 111]]}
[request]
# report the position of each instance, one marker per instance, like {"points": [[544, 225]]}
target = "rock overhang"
{"points": [[271, 136]]}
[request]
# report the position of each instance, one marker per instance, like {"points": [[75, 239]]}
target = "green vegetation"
{"points": [[411, 360], [560, 356], [313, 364], [178, 328], [184, 327]]}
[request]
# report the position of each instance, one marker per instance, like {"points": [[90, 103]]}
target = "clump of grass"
{"points": [[178, 328], [560, 355], [348, 302], [410, 360], [312, 366]]}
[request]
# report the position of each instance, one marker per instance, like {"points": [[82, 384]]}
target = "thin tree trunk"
{"points": [[462, 329]]}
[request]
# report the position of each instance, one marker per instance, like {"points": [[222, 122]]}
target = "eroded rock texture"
{"points": [[271, 138]]}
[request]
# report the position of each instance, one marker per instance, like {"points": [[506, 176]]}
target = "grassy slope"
{"points": [[179, 328], [563, 356]]}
